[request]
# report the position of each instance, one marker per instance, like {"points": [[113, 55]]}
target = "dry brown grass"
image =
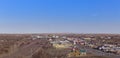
{"points": [[7, 42]]}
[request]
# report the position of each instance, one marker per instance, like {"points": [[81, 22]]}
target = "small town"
{"points": [[60, 45], [59, 28]]}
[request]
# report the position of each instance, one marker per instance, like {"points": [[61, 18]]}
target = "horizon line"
{"points": [[55, 33]]}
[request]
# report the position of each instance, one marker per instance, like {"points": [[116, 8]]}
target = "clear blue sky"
{"points": [[45, 16]]}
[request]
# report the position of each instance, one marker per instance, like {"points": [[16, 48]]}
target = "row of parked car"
{"points": [[109, 48]]}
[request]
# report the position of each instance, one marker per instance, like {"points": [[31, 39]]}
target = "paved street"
{"points": [[97, 52]]}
